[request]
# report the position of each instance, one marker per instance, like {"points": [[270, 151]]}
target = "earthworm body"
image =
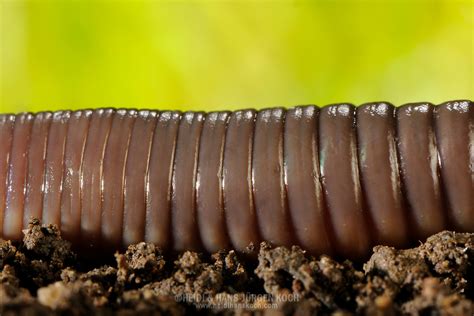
{"points": [[334, 180]]}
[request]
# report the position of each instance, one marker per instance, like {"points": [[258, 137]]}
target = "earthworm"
{"points": [[333, 180]]}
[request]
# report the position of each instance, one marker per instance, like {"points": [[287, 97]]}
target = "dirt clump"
{"points": [[41, 275]]}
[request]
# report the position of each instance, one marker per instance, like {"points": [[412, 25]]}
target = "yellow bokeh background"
{"points": [[209, 55]]}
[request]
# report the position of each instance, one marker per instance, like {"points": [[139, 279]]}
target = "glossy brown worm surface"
{"points": [[335, 180]]}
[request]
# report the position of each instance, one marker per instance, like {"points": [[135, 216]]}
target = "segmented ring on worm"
{"points": [[335, 180]]}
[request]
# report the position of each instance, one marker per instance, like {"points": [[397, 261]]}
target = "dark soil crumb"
{"points": [[42, 276]]}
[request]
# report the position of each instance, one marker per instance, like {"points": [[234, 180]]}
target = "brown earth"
{"points": [[42, 276]]}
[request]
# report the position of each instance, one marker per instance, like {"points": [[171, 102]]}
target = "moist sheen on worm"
{"points": [[336, 180]]}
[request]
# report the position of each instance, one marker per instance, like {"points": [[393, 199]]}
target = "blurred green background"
{"points": [[232, 54]]}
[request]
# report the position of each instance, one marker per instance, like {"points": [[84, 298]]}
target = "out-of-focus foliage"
{"points": [[232, 54]]}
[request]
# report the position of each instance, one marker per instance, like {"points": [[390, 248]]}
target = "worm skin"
{"points": [[420, 168], [209, 193], [379, 173], [268, 179], [341, 181], [334, 180], [302, 170], [239, 205]]}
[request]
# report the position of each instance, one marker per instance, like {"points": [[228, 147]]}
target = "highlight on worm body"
{"points": [[334, 180]]}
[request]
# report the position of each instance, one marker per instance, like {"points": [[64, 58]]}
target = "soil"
{"points": [[42, 276]]}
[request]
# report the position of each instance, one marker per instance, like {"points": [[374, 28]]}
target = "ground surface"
{"points": [[41, 275]]}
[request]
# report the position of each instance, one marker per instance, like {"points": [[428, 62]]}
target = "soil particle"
{"points": [[404, 277], [141, 264], [436, 296], [40, 257], [290, 273], [42, 276]]}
